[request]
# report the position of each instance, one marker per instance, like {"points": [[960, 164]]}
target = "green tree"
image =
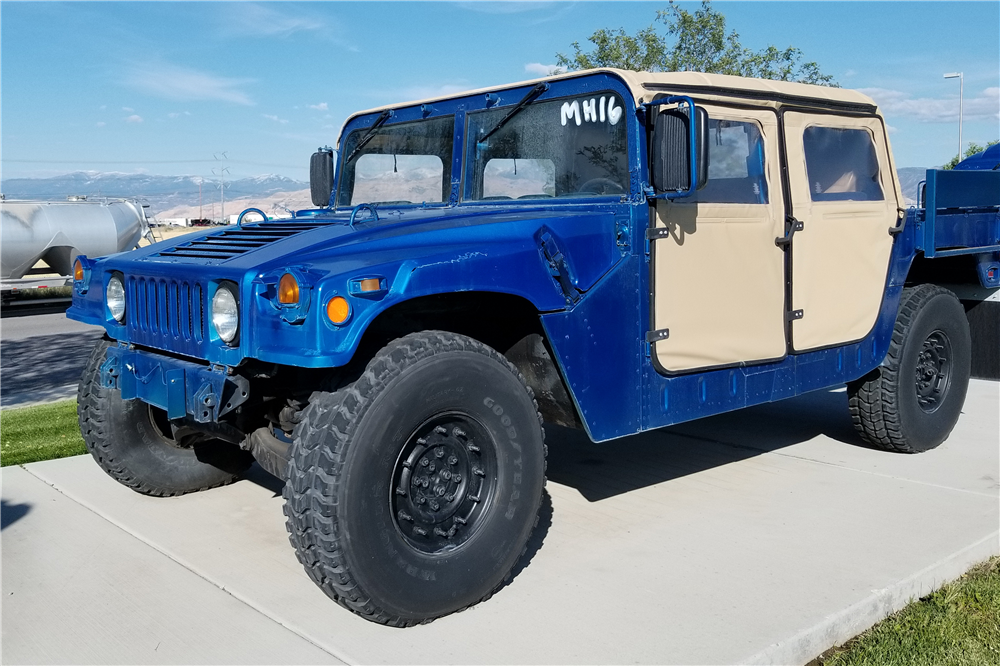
{"points": [[969, 152], [700, 44]]}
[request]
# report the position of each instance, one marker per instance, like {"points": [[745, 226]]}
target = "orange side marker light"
{"points": [[338, 309]]}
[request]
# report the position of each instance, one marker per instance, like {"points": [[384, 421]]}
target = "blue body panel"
{"points": [[582, 264]]}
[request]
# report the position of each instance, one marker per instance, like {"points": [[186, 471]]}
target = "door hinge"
{"points": [[657, 335], [792, 225], [794, 314]]}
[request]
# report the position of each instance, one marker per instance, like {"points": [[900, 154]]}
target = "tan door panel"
{"points": [[840, 258], [718, 278]]}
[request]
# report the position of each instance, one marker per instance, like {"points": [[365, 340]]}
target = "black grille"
{"points": [[164, 313], [234, 242]]}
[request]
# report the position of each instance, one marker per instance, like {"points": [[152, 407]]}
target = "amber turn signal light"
{"points": [[288, 289], [370, 284], [78, 270], [338, 309]]}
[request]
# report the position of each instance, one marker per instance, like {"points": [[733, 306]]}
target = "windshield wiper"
{"points": [[370, 134], [535, 92]]}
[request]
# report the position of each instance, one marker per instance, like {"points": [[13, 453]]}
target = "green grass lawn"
{"points": [[30, 434], [959, 625]]}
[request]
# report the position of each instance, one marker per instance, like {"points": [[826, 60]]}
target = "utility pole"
{"points": [[200, 215], [961, 102], [223, 170]]}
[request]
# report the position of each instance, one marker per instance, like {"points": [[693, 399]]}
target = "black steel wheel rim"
{"points": [[933, 371], [443, 483]]}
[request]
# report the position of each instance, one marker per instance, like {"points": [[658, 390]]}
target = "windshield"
{"points": [[401, 163], [567, 147]]}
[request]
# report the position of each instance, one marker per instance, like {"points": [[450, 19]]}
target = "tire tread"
{"points": [[873, 399], [322, 438]]}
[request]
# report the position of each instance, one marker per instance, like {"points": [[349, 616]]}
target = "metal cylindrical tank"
{"points": [[57, 231]]}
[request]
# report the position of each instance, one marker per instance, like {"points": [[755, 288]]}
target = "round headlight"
{"points": [[115, 297], [225, 314]]}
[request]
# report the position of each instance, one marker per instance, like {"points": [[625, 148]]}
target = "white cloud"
{"points": [[890, 129], [184, 84], [275, 119], [134, 119], [128, 109], [319, 107], [101, 124], [542, 70], [173, 115], [255, 20], [981, 106]]}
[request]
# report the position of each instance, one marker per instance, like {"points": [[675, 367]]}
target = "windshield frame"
{"points": [[581, 86]]}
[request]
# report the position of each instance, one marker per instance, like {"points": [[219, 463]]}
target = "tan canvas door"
{"points": [[718, 277], [843, 192]]}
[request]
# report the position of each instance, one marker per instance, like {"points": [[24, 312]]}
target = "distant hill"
{"points": [[171, 194], [160, 192]]}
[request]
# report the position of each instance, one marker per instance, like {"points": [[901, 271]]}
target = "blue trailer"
{"points": [[608, 250]]}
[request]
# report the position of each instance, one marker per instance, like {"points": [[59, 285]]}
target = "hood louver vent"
{"points": [[234, 242]]}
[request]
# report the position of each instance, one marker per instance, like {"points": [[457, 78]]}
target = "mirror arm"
{"points": [[693, 140]]}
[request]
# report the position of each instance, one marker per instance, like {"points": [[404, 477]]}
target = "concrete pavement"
{"points": [[761, 536], [43, 356]]}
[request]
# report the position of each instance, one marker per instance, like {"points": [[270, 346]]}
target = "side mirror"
{"points": [[321, 177], [671, 165]]}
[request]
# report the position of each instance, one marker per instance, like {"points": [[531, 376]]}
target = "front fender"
{"points": [[550, 261]]}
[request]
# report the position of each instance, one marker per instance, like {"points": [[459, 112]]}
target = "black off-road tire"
{"points": [[412, 492], [913, 400], [132, 449]]}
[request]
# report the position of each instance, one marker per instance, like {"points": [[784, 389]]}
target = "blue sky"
{"points": [[165, 87]]}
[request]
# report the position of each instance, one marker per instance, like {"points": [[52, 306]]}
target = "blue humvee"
{"points": [[609, 250]]}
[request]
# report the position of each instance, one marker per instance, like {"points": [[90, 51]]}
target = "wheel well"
{"points": [[943, 270], [497, 320], [507, 323]]}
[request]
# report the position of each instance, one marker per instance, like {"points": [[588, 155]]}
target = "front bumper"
{"points": [[178, 387]]}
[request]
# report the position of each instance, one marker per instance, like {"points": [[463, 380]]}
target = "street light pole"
{"points": [[961, 102]]}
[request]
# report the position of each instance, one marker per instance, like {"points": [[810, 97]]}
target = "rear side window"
{"points": [[841, 164], [735, 164]]}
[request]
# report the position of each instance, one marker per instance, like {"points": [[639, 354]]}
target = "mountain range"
{"points": [[168, 195], [162, 193]]}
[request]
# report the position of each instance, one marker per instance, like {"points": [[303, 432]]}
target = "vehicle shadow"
{"points": [[11, 513], [600, 471], [44, 362], [265, 480]]}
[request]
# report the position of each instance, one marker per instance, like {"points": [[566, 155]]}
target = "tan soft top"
{"points": [[644, 86]]}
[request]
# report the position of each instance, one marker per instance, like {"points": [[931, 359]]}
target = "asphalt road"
{"points": [[42, 356]]}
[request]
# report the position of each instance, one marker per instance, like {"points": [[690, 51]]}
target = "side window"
{"points": [[568, 147], [841, 164], [735, 164]]}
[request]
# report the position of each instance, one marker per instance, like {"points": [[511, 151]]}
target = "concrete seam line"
{"points": [[301, 633], [843, 625], [992, 496]]}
